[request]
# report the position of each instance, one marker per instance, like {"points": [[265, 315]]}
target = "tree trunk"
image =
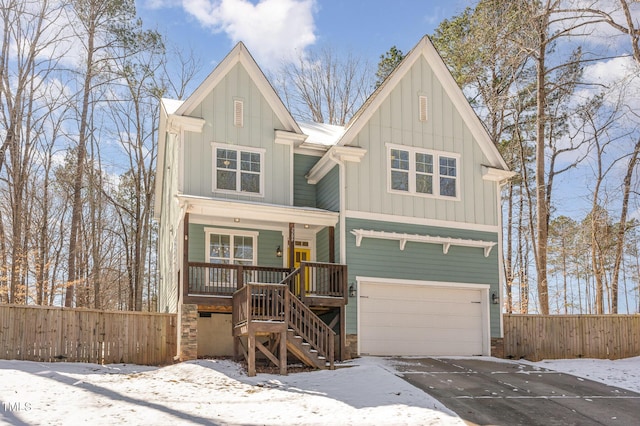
{"points": [[76, 211], [622, 228]]}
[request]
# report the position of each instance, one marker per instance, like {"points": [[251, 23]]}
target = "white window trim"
{"points": [[412, 171], [231, 233], [238, 148]]}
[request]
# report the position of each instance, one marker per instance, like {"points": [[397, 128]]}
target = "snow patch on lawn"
{"points": [[362, 392], [622, 373]]}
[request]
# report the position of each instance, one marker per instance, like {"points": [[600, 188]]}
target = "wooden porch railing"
{"points": [[318, 279], [260, 302], [217, 279]]}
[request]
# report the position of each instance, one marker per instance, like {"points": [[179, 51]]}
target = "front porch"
{"points": [[299, 310], [244, 258]]}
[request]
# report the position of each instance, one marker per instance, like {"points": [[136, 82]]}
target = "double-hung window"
{"points": [[423, 172], [238, 169], [229, 247]]}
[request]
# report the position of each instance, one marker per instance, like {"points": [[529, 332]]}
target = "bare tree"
{"points": [[324, 87], [29, 56], [104, 27]]}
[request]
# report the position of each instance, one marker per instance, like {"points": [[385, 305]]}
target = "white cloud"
{"points": [[617, 78], [273, 30], [159, 4]]}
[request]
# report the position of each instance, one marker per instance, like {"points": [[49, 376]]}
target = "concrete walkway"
{"points": [[484, 392]]}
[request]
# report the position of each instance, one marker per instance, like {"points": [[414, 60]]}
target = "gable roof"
{"points": [[240, 54], [425, 49]]}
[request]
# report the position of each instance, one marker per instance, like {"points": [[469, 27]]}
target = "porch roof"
{"points": [[255, 211]]}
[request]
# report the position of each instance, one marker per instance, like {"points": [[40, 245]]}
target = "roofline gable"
{"points": [[240, 54], [425, 49]]}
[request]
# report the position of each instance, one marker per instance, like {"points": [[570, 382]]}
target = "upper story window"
{"points": [[423, 172], [238, 169]]}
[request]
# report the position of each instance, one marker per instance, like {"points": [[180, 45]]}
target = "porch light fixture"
{"points": [[352, 291], [495, 299], [236, 220], [278, 252]]}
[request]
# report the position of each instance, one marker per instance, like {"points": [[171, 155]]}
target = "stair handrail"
{"points": [[306, 324], [290, 281]]}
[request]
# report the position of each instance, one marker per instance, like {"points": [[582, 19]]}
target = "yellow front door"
{"points": [[302, 255]]}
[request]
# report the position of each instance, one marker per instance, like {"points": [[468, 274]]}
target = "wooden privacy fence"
{"points": [[47, 334], [536, 337]]}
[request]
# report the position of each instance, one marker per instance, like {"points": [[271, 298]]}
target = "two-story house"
{"points": [[381, 238]]}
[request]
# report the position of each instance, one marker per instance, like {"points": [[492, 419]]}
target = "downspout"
{"points": [[343, 208], [501, 276]]}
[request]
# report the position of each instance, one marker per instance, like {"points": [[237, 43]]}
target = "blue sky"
{"points": [[277, 30]]}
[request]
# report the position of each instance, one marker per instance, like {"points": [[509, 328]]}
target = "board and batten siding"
{"points": [[257, 132], [328, 191], [268, 241], [421, 261], [304, 194], [397, 122]]}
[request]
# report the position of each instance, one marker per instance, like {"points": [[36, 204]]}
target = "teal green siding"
{"points": [[328, 191], [322, 245], [421, 261], [268, 241], [304, 194]]}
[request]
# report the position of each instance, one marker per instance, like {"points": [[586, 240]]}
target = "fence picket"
{"points": [[48, 334], [537, 337]]}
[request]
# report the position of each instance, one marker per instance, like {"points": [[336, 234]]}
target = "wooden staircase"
{"points": [[302, 350], [273, 311]]}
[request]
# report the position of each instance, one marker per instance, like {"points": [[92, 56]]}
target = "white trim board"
{"points": [[404, 238], [382, 217], [378, 280]]}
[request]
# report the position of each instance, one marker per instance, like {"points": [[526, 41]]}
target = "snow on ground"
{"points": [[205, 392], [622, 373]]}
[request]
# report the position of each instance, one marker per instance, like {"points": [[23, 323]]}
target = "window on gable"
{"points": [[423, 172], [399, 170], [238, 169]]}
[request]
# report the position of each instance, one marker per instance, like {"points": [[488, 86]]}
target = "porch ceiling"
{"points": [[262, 212]]}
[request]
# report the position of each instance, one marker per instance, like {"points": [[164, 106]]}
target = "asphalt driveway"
{"points": [[484, 392]]}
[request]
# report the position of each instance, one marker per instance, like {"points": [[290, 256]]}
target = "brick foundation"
{"points": [[497, 347], [351, 350], [188, 348]]}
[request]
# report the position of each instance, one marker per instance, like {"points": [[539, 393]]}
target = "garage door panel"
{"points": [[414, 292], [444, 335], [435, 348], [425, 320], [417, 307], [400, 319]]}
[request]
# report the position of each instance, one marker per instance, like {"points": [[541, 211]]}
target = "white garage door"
{"points": [[399, 319]]}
